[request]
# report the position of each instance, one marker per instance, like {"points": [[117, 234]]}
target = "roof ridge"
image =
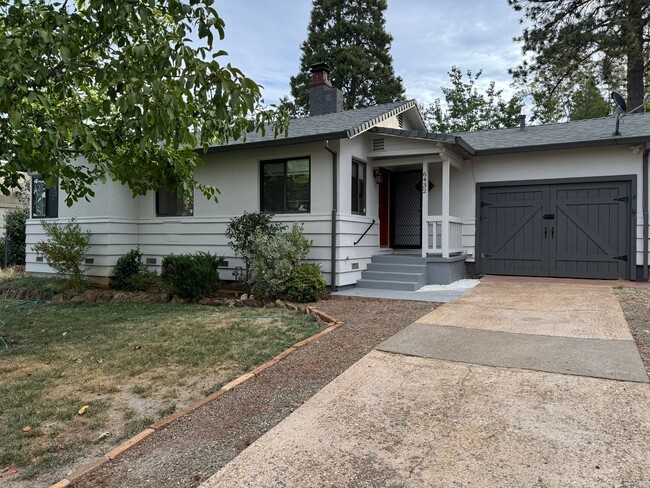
{"points": [[550, 124]]}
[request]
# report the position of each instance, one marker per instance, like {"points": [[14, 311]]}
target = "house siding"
{"points": [[118, 222], [128, 222]]}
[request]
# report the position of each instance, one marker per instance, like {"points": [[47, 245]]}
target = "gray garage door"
{"points": [[579, 230]]}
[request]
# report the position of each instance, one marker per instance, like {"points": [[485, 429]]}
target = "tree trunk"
{"points": [[635, 61]]}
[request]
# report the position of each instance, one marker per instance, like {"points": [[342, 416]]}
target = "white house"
{"points": [[388, 204]]}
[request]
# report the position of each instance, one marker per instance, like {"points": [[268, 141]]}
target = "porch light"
{"points": [[379, 176]]}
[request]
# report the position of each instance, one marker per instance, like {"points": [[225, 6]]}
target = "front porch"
{"points": [[421, 238], [415, 206]]}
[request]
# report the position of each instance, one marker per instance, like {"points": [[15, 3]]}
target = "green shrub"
{"points": [[15, 236], [273, 259], [191, 276], [130, 273], [306, 283], [65, 250], [241, 232]]}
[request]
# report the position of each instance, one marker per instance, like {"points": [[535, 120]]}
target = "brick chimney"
{"points": [[323, 97]]}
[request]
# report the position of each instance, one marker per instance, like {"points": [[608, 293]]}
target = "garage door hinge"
{"points": [[483, 255], [485, 204], [621, 258], [621, 199]]}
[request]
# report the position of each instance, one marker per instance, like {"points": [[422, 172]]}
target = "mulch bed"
{"points": [[192, 449]]}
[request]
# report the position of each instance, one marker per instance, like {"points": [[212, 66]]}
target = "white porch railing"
{"points": [[441, 242]]}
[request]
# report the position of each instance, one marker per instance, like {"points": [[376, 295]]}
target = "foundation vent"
{"points": [[355, 265], [151, 261], [89, 261], [378, 144], [39, 259]]}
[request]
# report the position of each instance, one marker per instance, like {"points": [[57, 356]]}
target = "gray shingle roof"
{"points": [[341, 124], [592, 132]]}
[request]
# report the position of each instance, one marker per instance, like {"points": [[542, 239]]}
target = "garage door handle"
{"points": [[552, 232], [545, 232]]}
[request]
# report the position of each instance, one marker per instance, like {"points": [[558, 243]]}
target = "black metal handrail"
{"points": [[364, 234]]}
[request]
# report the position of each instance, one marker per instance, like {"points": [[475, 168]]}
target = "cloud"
{"points": [[263, 39]]}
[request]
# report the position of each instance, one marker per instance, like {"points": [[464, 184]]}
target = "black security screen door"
{"points": [[407, 209], [578, 230]]}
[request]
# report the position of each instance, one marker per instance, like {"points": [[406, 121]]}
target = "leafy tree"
{"points": [[584, 101], [567, 37], [349, 35], [466, 109], [119, 86]]}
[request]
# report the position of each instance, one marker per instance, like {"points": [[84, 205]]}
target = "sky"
{"points": [[263, 39]]}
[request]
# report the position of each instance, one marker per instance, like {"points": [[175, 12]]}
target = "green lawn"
{"points": [[130, 363]]}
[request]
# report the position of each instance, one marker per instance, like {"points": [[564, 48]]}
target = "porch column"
{"points": [[425, 208], [445, 207]]}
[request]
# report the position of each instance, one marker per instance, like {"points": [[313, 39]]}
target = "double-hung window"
{"points": [[286, 185], [45, 201], [173, 203], [358, 187]]}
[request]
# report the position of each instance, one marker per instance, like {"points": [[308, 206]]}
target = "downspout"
{"points": [[334, 201], [645, 211]]}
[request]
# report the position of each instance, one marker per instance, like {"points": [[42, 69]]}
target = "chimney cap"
{"points": [[322, 66]]}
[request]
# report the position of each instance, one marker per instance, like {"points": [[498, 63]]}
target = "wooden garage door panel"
{"points": [[576, 230], [512, 232], [590, 230]]}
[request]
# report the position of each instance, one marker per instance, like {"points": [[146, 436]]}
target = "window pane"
{"points": [[173, 203], [298, 185], [184, 205], [52, 202], [273, 187], [166, 202], [355, 187], [362, 188], [358, 187], [38, 197]]}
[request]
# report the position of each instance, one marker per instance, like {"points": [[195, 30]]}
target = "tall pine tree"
{"points": [[565, 37], [350, 36]]}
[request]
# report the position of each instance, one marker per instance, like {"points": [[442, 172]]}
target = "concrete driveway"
{"points": [[514, 384]]}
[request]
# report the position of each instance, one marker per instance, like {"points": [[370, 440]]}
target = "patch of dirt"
{"points": [[635, 303], [190, 450]]}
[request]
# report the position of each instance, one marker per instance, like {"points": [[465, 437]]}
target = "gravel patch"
{"points": [[635, 303], [191, 450], [456, 285]]}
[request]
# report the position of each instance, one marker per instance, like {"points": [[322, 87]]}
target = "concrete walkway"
{"points": [[514, 384]]}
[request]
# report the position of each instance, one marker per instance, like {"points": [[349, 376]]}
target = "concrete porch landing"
{"points": [[440, 296]]}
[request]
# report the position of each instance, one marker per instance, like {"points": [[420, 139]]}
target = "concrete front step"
{"points": [[394, 272], [397, 268], [387, 276], [387, 285], [398, 259]]}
